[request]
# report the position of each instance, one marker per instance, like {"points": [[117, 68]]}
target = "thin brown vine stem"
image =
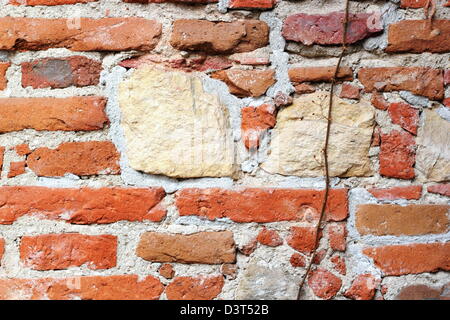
{"points": [[325, 150]]}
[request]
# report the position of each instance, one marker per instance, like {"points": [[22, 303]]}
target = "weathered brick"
{"points": [[339, 264], [2, 249], [409, 193], [47, 2], [79, 158], [256, 120], [83, 34], [219, 37], [81, 206], [405, 116], [3, 68], [246, 83], [229, 270], [117, 287], [337, 233], [363, 287], [16, 168], [166, 270], [269, 238], [319, 74], [446, 76], [329, 28], [397, 155], [303, 239], [2, 154], [413, 3], [248, 248], [66, 114], [252, 4], [324, 284], [76, 71], [446, 102], [261, 205], [398, 260], [349, 91], [443, 189], [199, 288], [418, 292], [378, 101], [22, 149], [62, 251], [297, 260], [303, 88], [422, 81], [390, 219], [201, 247], [419, 36]]}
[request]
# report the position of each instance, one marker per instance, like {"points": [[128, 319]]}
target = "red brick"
{"points": [[76, 71], [261, 205], [446, 102], [297, 260], [320, 255], [246, 83], [413, 3], [269, 238], [418, 292], [166, 270], [350, 91], [118, 287], [219, 37], [337, 233], [376, 137], [419, 36], [2, 154], [81, 206], [16, 168], [304, 88], [319, 74], [390, 219], [339, 264], [83, 34], [409, 193], [328, 28], [79, 158], [252, 4], [3, 68], [411, 259], [249, 248], [229, 270], [47, 2], [201, 247], [66, 114], [405, 116], [446, 76], [303, 239], [62, 251], [397, 155], [254, 122], [2, 249], [324, 284], [199, 288], [22, 149], [378, 101], [443, 189], [447, 4], [172, 1], [363, 287], [422, 81]]}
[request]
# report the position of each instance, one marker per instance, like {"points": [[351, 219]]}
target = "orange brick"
{"points": [[409, 193], [200, 288], [3, 68]]}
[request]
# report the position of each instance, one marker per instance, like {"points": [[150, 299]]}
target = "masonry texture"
{"points": [[155, 149]]}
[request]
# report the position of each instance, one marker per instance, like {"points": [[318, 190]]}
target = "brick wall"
{"points": [[173, 149]]}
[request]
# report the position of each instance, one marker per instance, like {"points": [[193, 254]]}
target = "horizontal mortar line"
{"points": [[402, 240]]}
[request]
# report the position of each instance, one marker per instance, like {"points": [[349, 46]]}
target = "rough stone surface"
{"points": [[246, 83], [219, 37], [419, 36], [324, 284], [260, 282], [117, 287], [79, 158], [61, 251], [202, 247], [173, 127], [389, 219], [76, 71], [200, 288], [107, 34], [262, 205], [397, 155], [298, 138], [51, 114], [422, 81], [328, 28], [433, 153], [81, 206], [414, 258]]}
